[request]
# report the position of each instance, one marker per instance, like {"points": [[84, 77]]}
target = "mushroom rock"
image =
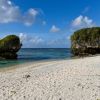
{"points": [[9, 46]]}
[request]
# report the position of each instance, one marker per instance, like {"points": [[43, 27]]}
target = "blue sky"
{"points": [[47, 23]]}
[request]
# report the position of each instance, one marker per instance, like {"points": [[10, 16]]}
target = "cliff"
{"points": [[86, 41]]}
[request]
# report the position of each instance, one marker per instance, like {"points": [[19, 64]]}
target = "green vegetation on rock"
{"points": [[9, 46], [86, 41]]}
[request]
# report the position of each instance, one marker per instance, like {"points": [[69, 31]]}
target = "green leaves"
{"points": [[86, 38]]}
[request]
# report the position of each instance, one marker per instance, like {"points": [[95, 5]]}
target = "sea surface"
{"points": [[30, 55]]}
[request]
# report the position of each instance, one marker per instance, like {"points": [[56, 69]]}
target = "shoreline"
{"points": [[32, 63], [73, 79], [41, 61]]}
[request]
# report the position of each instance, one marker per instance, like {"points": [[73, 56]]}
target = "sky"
{"points": [[47, 23]]}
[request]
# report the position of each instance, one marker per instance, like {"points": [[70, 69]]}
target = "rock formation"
{"points": [[86, 41], [9, 46]]}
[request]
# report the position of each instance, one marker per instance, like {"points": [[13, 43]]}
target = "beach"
{"points": [[74, 79]]}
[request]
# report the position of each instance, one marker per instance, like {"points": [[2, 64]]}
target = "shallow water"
{"points": [[30, 54]]}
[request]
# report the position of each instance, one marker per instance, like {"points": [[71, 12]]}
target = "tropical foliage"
{"points": [[86, 41]]}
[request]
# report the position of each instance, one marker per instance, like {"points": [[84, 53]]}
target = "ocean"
{"points": [[38, 54]]}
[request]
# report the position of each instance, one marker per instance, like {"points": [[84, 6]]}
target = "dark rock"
{"points": [[9, 46], [86, 42], [27, 76]]}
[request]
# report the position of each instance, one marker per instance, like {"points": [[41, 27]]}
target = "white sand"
{"points": [[77, 79]]}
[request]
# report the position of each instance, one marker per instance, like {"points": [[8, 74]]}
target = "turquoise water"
{"points": [[30, 54]]}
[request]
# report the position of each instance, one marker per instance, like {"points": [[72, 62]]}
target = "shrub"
{"points": [[86, 41]]}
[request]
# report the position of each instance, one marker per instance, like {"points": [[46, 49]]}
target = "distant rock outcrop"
{"points": [[86, 41], [9, 46]]}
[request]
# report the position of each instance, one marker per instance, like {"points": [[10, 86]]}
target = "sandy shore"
{"points": [[77, 79]]}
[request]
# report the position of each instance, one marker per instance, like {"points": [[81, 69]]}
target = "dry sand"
{"points": [[77, 79]]}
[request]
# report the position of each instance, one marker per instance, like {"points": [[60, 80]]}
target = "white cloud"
{"points": [[12, 13], [86, 9], [29, 17], [33, 40], [82, 22], [68, 37], [23, 37], [44, 23], [59, 42], [39, 42], [54, 29], [36, 40]]}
